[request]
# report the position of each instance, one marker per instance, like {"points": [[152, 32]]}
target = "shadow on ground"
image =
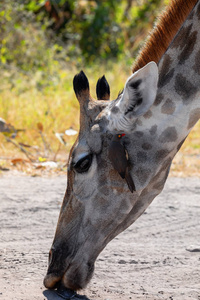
{"points": [[52, 295]]}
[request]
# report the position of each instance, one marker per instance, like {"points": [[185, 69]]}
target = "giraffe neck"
{"points": [[162, 130], [178, 100], [163, 33]]}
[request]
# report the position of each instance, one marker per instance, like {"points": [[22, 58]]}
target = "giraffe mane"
{"points": [[159, 39]]}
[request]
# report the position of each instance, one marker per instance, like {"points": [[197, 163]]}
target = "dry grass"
{"points": [[187, 161], [56, 108]]}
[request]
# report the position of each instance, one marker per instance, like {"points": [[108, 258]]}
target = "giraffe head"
{"points": [[99, 203]]}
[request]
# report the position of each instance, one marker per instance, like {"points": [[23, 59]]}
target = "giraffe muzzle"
{"points": [[71, 272]]}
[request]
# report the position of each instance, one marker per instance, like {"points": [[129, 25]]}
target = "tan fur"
{"points": [[165, 30]]}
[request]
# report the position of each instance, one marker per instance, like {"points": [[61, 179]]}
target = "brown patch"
{"points": [[119, 189], [155, 178], [160, 184], [164, 32], [106, 97], [194, 117], [168, 107], [153, 129], [102, 180], [161, 154], [168, 135], [115, 109], [196, 66], [166, 164], [143, 194], [181, 39], [142, 174], [141, 157], [189, 47], [159, 99], [138, 134], [101, 205], [104, 191], [139, 122], [184, 88], [148, 114], [166, 73], [146, 146], [113, 175]]}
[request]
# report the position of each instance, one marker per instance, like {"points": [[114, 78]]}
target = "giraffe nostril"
{"points": [[50, 256]]}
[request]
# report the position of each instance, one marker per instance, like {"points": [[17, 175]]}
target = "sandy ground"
{"points": [[150, 260]]}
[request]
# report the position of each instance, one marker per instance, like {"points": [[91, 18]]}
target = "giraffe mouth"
{"points": [[75, 277]]}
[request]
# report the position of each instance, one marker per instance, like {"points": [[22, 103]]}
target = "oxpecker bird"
{"points": [[119, 159]]}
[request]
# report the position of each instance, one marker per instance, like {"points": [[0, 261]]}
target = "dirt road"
{"points": [[150, 260]]}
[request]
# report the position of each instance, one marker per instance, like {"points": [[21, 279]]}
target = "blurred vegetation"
{"points": [[43, 44], [36, 33]]}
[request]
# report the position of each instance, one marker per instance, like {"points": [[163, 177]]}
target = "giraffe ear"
{"points": [[140, 91]]}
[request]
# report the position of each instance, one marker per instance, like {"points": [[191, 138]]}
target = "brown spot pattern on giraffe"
{"points": [[161, 154], [142, 174], [113, 175], [196, 66], [165, 73], [148, 114], [104, 191], [194, 117], [159, 99], [168, 135], [168, 107], [166, 164], [138, 134], [141, 157], [101, 205], [139, 122], [119, 189], [160, 184], [184, 88], [181, 39], [115, 109], [146, 146], [153, 130], [189, 47]]}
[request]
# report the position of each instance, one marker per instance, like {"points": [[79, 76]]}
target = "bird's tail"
{"points": [[129, 181]]}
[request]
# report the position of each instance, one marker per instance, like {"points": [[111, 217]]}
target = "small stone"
{"points": [[193, 248], [122, 262]]}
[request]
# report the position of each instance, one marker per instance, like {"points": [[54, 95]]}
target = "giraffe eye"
{"points": [[83, 164]]}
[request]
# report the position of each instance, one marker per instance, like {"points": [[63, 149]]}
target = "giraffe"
{"points": [[152, 117]]}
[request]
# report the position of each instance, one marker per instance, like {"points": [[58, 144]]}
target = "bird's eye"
{"points": [[83, 164]]}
